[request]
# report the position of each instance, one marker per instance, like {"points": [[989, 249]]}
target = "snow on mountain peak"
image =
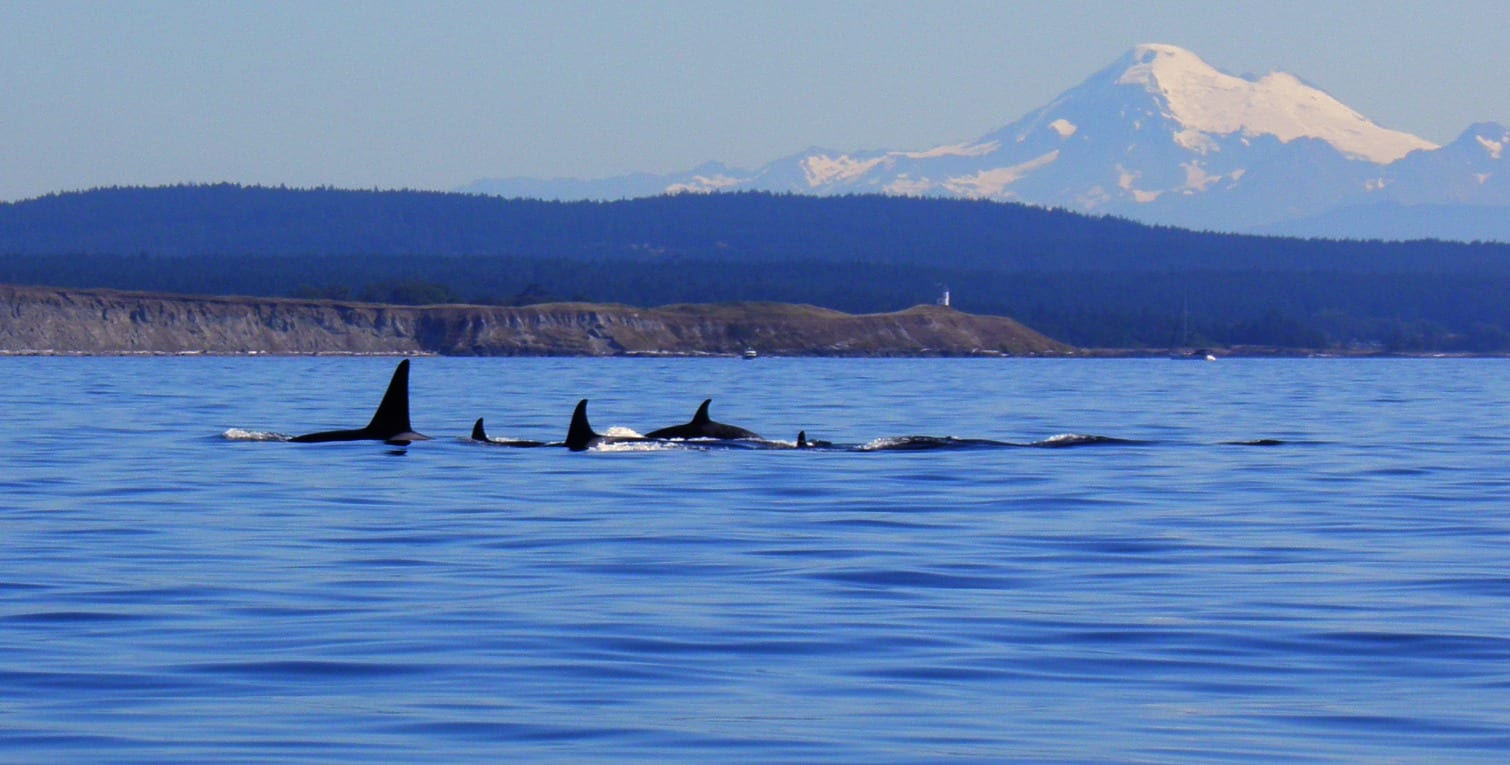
{"points": [[1158, 136], [1203, 99], [1490, 137], [1494, 148]]}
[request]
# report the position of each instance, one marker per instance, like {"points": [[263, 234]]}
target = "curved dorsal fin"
{"points": [[801, 438], [580, 434], [702, 413], [392, 415], [478, 434]]}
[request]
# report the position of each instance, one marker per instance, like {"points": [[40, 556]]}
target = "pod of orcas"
{"points": [[390, 425]]}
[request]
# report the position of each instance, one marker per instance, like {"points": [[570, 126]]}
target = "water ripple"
{"points": [[177, 585]]}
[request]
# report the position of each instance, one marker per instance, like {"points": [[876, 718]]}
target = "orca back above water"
{"points": [[804, 443], [702, 426], [929, 443], [479, 434], [389, 424]]}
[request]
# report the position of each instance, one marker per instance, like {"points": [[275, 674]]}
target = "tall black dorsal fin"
{"points": [[702, 413], [392, 415], [801, 439], [390, 423], [579, 435], [478, 434]]}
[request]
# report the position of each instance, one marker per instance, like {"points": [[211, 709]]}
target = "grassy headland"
{"points": [[50, 320]]}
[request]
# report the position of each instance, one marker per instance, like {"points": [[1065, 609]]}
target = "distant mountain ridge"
{"points": [[1160, 137]]}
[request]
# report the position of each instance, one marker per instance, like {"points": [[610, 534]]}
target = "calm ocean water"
{"points": [[171, 594]]}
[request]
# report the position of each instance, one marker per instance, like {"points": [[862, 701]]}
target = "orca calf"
{"points": [[390, 423], [580, 436], [701, 426], [478, 434], [1070, 440], [929, 443], [804, 443]]}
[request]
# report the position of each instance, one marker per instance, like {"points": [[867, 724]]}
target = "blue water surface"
{"points": [[173, 589]]}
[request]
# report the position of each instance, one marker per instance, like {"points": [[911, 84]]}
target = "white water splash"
{"points": [[240, 434]]}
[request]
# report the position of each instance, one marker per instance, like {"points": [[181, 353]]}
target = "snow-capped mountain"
{"points": [[1460, 191], [1158, 136]]}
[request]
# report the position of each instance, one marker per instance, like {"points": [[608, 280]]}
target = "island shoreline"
{"points": [[95, 322], [48, 321]]}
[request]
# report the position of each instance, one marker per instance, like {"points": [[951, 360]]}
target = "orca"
{"points": [[701, 426], [929, 443], [478, 434], [580, 436], [804, 443], [390, 423]]}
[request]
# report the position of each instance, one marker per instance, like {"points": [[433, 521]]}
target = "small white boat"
{"points": [[750, 353], [1200, 354]]}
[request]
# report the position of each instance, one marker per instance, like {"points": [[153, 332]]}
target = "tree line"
{"points": [[1089, 281]]}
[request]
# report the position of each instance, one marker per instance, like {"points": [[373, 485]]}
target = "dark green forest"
{"points": [[1090, 281]]}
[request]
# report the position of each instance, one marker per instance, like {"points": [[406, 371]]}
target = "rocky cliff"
{"points": [[46, 320]]}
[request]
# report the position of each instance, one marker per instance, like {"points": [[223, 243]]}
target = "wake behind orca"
{"points": [[580, 436], [481, 435], [930, 443], [389, 424]]}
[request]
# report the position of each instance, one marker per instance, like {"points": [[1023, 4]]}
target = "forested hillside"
{"points": [[1084, 280]]}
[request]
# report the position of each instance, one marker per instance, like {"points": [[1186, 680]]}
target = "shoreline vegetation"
{"points": [[1090, 282], [44, 321]]}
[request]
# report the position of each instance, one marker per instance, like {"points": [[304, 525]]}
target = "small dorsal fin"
{"points": [[702, 413], [478, 434], [392, 415], [801, 438], [579, 435]]}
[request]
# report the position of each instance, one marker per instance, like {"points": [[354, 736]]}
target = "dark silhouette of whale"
{"points": [[701, 426], [930, 443], [580, 436], [390, 423], [803, 443], [478, 434]]}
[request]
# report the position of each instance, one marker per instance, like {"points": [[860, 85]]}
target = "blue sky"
{"points": [[436, 94]]}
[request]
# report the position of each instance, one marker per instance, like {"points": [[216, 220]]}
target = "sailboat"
{"points": [[1182, 351]]}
